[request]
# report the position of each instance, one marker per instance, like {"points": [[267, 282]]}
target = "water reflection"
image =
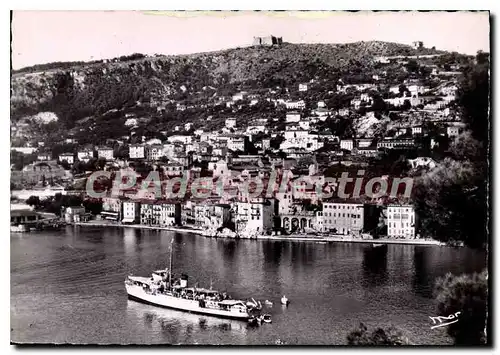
{"points": [[375, 265], [70, 283], [228, 249], [130, 236], [272, 254], [421, 283], [171, 321]]}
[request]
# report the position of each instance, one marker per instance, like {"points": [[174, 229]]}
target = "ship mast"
{"points": [[170, 269]]}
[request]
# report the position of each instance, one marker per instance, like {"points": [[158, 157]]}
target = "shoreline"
{"points": [[298, 237]]}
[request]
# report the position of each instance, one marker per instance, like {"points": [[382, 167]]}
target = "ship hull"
{"points": [[160, 300]]}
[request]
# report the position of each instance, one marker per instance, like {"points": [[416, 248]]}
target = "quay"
{"points": [[296, 237]]}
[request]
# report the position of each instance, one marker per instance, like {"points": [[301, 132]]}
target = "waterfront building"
{"points": [[18, 217], [76, 214], [343, 217], [318, 222], [160, 213], [111, 208], [401, 221], [212, 216], [254, 216], [131, 212]]}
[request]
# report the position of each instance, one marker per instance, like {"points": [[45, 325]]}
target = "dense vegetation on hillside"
{"points": [[453, 201]]}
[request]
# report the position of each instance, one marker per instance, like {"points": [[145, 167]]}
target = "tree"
{"points": [[467, 294], [380, 336], [412, 66], [473, 97], [33, 201], [406, 105]]}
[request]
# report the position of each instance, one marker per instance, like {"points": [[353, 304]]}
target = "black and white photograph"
{"points": [[242, 178]]}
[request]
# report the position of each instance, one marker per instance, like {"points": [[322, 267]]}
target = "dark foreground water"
{"points": [[67, 287]]}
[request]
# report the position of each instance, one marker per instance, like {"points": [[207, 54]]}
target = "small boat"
{"points": [[284, 301], [254, 321], [268, 303], [378, 245], [266, 318]]}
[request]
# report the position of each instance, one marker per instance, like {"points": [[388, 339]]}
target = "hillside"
{"points": [[76, 91]]}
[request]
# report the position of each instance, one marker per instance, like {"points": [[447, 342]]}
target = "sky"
{"points": [[51, 36]]}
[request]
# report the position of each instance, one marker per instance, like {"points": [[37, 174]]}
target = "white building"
{"points": [[85, 155], [454, 130], [68, 157], [219, 168], [180, 138], [321, 104], [397, 143], [236, 143], [394, 89], [347, 144], [256, 129], [240, 96], [154, 152], [230, 123], [424, 162], [364, 142], [130, 212], [153, 141], [298, 138], [416, 130], [255, 216], [105, 153], [401, 221], [304, 125], [318, 222], [295, 105], [137, 151], [212, 215], [292, 117], [302, 87]]}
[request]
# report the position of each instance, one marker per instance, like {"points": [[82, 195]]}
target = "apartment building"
{"points": [[401, 221]]}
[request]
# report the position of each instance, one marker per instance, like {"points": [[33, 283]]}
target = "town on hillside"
{"points": [[398, 118]]}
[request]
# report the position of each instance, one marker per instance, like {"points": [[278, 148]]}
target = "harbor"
{"points": [[68, 286], [294, 237]]}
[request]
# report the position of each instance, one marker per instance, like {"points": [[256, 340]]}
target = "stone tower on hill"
{"points": [[267, 41]]}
